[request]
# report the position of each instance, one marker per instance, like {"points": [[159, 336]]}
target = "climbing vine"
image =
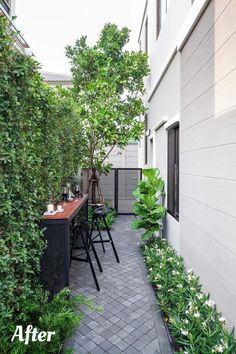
{"points": [[39, 148]]}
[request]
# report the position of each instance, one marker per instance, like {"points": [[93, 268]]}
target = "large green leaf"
{"points": [[139, 209], [138, 224], [151, 173]]}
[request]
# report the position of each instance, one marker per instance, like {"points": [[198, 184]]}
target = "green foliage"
{"points": [[146, 207], [61, 315], [39, 149], [108, 86], [191, 315]]}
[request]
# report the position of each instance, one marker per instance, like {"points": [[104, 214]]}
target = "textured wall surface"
{"points": [[208, 153]]}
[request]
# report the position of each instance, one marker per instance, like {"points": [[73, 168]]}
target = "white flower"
{"points": [[186, 321], [218, 349], [150, 269], [180, 286], [222, 320], [184, 332], [196, 314], [210, 303], [170, 290], [170, 259], [191, 277], [199, 296], [175, 272], [190, 271]]}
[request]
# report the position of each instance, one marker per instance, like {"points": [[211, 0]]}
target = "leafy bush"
{"points": [[191, 315], [58, 316], [39, 148], [146, 207]]}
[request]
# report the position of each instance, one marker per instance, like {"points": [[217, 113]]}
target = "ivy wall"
{"points": [[39, 148]]}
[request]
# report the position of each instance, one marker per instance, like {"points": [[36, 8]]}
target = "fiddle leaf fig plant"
{"points": [[147, 207]]}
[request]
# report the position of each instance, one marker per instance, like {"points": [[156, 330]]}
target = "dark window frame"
{"points": [[146, 140], [158, 18], [173, 172], [146, 36]]}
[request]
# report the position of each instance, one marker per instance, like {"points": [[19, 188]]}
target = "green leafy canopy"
{"points": [[108, 86]]}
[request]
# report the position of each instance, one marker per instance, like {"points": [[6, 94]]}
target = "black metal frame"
{"points": [[116, 185]]}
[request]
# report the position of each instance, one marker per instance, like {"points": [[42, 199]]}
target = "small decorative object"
{"points": [[59, 208], [69, 192], [50, 208], [64, 194], [77, 191]]}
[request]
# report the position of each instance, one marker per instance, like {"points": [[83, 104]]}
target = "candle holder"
{"points": [[50, 207], [64, 194]]}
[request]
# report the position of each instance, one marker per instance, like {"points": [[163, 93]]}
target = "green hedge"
{"points": [[190, 314], [39, 148]]}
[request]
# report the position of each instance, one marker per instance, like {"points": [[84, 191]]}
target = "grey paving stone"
{"points": [[105, 345], [138, 345], [114, 350], [114, 339], [96, 350], [130, 322]]}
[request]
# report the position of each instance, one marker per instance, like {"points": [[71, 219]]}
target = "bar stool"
{"points": [[99, 214], [87, 245]]}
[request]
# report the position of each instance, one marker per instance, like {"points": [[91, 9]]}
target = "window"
{"points": [[146, 36], [146, 140], [173, 172], [158, 17], [161, 11]]}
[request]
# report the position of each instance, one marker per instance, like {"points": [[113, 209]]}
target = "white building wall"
{"points": [[208, 163], [126, 158], [193, 78]]}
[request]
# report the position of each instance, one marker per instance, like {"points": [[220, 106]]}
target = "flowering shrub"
{"points": [[191, 315]]}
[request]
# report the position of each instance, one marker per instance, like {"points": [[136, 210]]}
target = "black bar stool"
{"points": [[82, 229], [99, 214]]}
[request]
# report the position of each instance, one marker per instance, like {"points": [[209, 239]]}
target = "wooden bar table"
{"points": [[55, 263]]}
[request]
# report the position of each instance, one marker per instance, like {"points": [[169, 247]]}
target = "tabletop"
{"points": [[70, 209]]}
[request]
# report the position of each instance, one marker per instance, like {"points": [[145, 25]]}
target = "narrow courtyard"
{"points": [[131, 322]]}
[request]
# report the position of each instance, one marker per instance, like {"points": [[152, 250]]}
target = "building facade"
{"points": [[191, 133], [7, 8], [54, 79]]}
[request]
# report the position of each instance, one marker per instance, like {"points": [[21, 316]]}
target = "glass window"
{"points": [[173, 173]]}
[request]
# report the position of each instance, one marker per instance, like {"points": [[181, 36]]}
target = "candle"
{"points": [[50, 208], [59, 208]]}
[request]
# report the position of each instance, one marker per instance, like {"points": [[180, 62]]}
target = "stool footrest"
{"points": [[80, 259]]}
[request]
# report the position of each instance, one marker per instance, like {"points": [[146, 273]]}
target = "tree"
{"points": [[108, 84]]}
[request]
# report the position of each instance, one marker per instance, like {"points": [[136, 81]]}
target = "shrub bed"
{"points": [[191, 315]]}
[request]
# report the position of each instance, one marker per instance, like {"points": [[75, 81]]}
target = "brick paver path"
{"points": [[131, 322]]}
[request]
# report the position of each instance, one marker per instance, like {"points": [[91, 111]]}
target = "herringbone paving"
{"points": [[131, 322]]}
